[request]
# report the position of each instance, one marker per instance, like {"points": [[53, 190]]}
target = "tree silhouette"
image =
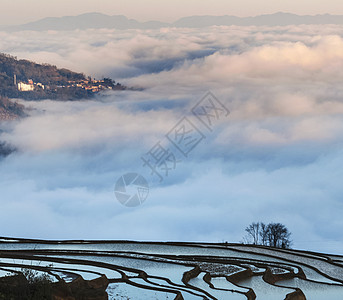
{"points": [[273, 234]]}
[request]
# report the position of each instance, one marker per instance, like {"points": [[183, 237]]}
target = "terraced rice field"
{"points": [[141, 270]]}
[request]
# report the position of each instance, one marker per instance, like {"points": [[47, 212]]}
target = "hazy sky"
{"points": [[22, 11]]}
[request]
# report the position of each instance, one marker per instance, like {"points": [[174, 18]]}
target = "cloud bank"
{"points": [[277, 157]]}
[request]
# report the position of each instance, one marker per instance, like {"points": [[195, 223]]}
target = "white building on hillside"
{"points": [[25, 87]]}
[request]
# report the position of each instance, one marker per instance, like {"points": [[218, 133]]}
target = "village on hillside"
{"points": [[89, 85], [31, 81]]}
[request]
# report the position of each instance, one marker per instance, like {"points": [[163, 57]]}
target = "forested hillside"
{"points": [[47, 81], [10, 110]]}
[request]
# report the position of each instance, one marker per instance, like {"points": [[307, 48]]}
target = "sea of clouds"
{"points": [[278, 157]]}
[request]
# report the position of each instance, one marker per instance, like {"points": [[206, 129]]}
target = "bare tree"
{"points": [[253, 231], [278, 235], [264, 234], [273, 235]]}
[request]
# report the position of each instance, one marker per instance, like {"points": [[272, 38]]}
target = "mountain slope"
{"points": [[28, 80], [25, 70], [10, 110]]}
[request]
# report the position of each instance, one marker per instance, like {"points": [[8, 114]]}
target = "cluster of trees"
{"points": [[273, 234], [10, 110], [28, 284], [11, 107]]}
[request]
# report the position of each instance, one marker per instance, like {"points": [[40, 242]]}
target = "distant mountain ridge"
{"points": [[99, 20], [276, 19], [86, 21]]}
